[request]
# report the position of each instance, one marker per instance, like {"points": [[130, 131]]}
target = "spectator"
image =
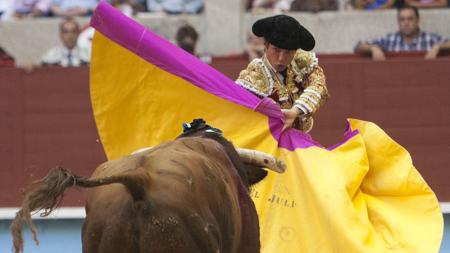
{"points": [[5, 59], [314, 5], [427, 3], [31, 8], [69, 54], [408, 38], [66, 8], [186, 38], [255, 47], [175, 6]]}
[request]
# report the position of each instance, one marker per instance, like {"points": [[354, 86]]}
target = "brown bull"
{"points": [[184, 196]]}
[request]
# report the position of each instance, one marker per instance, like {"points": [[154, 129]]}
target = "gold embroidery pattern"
{"points": [[315, 93], [254, 79], [288, 91], [303, 64]]}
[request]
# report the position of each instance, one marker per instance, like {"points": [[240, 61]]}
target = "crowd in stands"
{"points": [[10, 9], [330, 5], [187, 38], [76, 41]]}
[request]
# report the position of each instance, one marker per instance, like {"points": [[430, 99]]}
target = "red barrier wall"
{"points": [[46, 118], [45, 121]]}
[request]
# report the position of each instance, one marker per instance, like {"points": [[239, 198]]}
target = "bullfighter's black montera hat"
{"points": [[284, 32]]}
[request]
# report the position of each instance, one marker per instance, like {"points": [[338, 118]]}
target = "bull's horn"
{"points": [[141, 150], [261, 159]]}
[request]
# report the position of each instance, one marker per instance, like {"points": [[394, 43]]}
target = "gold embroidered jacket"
{"points": [[303, 85]]}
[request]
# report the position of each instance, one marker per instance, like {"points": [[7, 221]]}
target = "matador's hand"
{"points": [[289, 117]]}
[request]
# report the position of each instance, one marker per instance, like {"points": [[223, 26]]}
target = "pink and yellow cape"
{"points": [[361, 195]]}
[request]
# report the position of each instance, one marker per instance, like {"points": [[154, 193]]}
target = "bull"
{"points": [[186, 196]]}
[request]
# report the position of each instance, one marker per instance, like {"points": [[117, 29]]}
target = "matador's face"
{"points": [[279, 58]]}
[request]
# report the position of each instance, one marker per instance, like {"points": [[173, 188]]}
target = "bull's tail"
{"points": [[48, 192]]}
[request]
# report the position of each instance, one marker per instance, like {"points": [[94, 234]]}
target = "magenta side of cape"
{"points": [[158, 51]]}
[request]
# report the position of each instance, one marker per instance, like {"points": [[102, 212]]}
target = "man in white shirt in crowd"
{"points": [[69, 54]]}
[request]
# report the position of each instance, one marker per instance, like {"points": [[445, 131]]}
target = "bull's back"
{"points": [[191, 202]]}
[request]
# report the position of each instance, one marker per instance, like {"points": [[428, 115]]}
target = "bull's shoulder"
{"points": [[199, 144]]}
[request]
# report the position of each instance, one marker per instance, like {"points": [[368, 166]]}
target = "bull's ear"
{"points": [[255, 173]]}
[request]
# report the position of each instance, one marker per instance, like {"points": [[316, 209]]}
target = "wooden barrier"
{"points": [[46, 118], [45, 121]]}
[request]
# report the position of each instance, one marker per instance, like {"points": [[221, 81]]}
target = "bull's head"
{"points": [[249, 163]]}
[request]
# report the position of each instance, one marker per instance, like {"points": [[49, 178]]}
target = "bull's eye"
{"points": [[266, 161]]}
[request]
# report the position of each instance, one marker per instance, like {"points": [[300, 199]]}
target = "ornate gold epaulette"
{"points": [[254, 78], [303, 64]]}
